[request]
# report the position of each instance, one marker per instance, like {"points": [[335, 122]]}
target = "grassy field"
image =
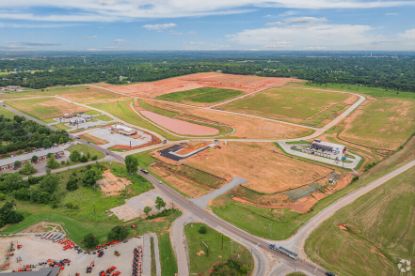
{"points": [[45, 109], [85, 149], [144, 159], [122, 110], [220, 249], [380, 232], [167, 257], [91, 217], [293, 103], [79, 93], [6, 113], [366, 90], [282, 223], [201, 95], [383, 123]]}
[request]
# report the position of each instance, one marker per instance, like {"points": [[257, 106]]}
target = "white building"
{"points": [[123, 129], [336, 150]]}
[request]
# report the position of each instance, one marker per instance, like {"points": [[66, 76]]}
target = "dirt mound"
{"points": [[111, 184]]}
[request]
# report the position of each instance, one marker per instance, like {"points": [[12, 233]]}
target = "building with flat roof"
{"points": [[47, 271], [123, 129], [42, 154], [328, 148]]}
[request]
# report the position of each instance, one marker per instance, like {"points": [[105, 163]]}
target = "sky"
{"points": [[125, 25]]}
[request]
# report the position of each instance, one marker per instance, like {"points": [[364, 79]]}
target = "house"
{"points": [[123, 129], [7, 164]]}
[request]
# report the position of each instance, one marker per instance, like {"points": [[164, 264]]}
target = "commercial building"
{"points": [[123, 129], [332, 149], [7, 164]]}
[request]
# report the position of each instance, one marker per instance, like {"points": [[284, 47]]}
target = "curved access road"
{"points": [[297, 241]]}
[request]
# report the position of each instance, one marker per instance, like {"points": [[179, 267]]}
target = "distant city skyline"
{"points": [[121, 25]]}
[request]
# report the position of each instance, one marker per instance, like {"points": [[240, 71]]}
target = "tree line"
{"points": [[386, 71], [21, 135]]}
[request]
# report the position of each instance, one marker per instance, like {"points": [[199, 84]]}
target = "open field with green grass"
{"points": [[85, 149], [90, 216], [282, 223], [380, 229], [293, 103], [384, 123], [45, 109], [201, 95], [211, 248], [123, 111], [167, 257], [365, 90], [78, 93], [6, 113]]}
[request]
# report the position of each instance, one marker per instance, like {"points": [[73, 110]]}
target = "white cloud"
{"points": [[307, 33], [112, 10], [159, 27], [312, 33]]}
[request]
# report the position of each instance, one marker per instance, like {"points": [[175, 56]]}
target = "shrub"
{"points": [[118, 233], [72, 206], [202, 230], [90, 241]]}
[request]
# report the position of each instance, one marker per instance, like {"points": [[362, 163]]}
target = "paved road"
{"points": [[179, 242], [296, 242], [156, 253], [257, 245], [203, 201]]}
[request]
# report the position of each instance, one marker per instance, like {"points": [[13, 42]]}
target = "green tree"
{"points": [[90, 241], [160, 204], [28, 169], [75, 156], [202, 229], [147, 210], [52, 163], [8, 214], [34, 159], [131, 163], [72, 183], [118, 233], [17, 164]]}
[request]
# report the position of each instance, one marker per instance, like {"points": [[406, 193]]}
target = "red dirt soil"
{"points": [[245, 83], [179, 126]]}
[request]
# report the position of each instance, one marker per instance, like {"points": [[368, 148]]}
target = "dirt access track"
{"points": [[261, 164], [244, 83]]}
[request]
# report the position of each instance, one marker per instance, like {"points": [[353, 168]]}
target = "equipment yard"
{"points": [[35, 250]]}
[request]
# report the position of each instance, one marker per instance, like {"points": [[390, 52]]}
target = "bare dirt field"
{"points": [[265, 169], [246, 83], [46, 108], [153, 89], [244, 127], [112, 185], [179, 126]]}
